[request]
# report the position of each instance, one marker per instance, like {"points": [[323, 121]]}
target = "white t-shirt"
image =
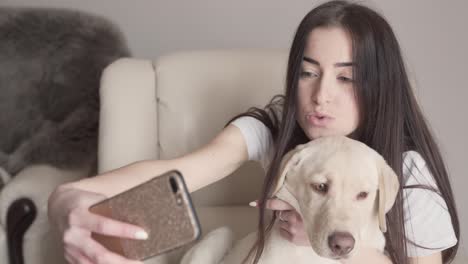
{"points": [[427, 222]]}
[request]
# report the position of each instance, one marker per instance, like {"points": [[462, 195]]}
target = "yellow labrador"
{"points": [[340, 187]]}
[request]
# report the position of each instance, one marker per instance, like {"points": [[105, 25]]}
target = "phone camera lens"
{"points": [[179, 199], [174, 186]]}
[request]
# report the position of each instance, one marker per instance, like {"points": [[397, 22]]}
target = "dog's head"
{"points": [[342, 189]]}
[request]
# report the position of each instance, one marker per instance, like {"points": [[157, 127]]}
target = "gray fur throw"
{"points": [[51, 61]]}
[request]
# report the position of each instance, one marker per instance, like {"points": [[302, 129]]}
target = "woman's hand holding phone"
{"points": [[69, 210], [162, 206]]}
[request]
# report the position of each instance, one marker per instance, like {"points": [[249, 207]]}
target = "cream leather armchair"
{"points": [[171, 106]]}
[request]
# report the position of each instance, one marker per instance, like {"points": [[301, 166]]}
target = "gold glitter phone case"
{"points": [[162, 206]]}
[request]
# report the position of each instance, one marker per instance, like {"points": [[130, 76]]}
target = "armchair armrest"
{"points": [[128, 118], [23, 209]]}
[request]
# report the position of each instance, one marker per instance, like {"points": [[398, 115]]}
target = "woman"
{"points": [[345, 76]]}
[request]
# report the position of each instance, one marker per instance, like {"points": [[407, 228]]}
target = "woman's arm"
{"points": [[68, 204], [214, 161]]}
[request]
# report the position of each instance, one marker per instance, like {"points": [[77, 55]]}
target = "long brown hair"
{"points": [[392, 122]]}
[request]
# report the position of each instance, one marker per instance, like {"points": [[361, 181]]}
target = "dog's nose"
{"points": [[341, 243]]}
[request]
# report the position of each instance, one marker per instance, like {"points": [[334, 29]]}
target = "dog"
{"points": [[341, 188]]}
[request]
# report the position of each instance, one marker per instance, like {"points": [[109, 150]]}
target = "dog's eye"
{"points": [[320, 187], [362, 195]]}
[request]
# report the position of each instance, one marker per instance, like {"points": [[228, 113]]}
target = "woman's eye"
{"points": [[321, 188], [345, 79], [306, 74]]}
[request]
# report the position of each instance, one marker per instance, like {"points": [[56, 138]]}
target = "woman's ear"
{"points": [[388, 190]]}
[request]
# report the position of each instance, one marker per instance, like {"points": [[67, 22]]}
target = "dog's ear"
{"points": [[290, 160], [294, 157], [388, 190]]}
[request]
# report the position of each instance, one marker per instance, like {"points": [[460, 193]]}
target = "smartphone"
{"points": [[162, 206]]}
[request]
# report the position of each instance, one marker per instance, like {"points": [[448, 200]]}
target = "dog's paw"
{"points": [[211, 249]]}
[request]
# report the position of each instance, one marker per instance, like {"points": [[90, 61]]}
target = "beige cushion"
{"points": [[127, 122]]}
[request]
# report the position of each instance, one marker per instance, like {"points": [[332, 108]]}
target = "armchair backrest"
{"points": [[193, 95]]}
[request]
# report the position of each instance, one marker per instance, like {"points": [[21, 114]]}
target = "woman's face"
{"points": [[327, 104]]}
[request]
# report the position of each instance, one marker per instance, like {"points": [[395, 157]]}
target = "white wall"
{"points": [[433, 35]]}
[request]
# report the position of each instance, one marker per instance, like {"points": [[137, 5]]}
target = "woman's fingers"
{"points": [[294, 234], [277, 204], [288, 228], [98, 254], [274, 204], [290, 223], [289, 216], [291, 227], [285, 234], [288, 213], [73, 255], [106, 226], [69, 211], [93, 252]]}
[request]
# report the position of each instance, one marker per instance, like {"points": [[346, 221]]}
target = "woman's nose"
{"points": [[323, 93]]}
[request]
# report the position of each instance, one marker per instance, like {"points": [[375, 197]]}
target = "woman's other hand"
{"points": [[290, 221]]}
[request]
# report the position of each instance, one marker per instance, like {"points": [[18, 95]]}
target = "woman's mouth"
{"points": [[318, 119]]}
